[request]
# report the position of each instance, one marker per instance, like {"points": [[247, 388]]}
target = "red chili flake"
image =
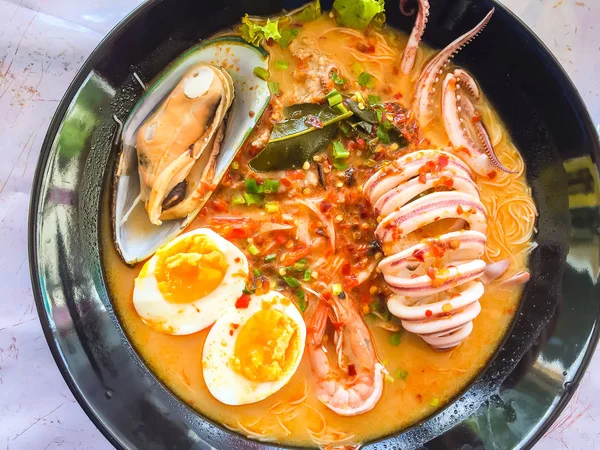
{"points": [[351, 370], [419, 398], [429, 313], [436, 219], [459, 210], [280, 237], [285, 182], [443, 160], [423, 178], [476, 118], [326, 295], [237, 233], [492, 174], [235, 326], [398, 96], [325, 206], [360, 142], [346, 269], [431, 273], [419, 255], [230, 332], [243, 301], [237, 259], [313, 121], [395, 70]]}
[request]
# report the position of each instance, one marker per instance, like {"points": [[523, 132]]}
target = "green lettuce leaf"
{"points": [[359, 13], [310, 12], [254, 32]]}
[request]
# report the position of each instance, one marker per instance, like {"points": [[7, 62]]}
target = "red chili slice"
{"points": [[243, 301]]}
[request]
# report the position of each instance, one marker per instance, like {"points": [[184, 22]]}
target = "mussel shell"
{"points": [[134, 236]]}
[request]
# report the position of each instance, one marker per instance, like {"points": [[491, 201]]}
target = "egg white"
{"points": [[188, 318], [224, 383]]}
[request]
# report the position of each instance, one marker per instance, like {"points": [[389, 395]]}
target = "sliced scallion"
{"points": [[261, 73], [292, 282], [334, 98], [281, 65], [253, 250]]}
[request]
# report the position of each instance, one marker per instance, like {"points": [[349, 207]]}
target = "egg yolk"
{"points": [[267, 344], [189, 269]]}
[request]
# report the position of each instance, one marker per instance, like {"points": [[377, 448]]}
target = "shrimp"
{"points": [[356, 385]]}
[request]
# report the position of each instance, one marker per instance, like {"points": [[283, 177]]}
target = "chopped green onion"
{"points": [[357, 69], [252, 199], [334, 98], [395, 339], [292, 282], [400, 374], [257, 272], [248, 291], [336, 289], [274, 87], [252, 186], [434, 402], [270, 186], [337, 79], [374, 99], [270, 258], [238, 200], [300, 265], [339, 151], [261, 73], [253, 250], [301, 296], [272, 207], [365, 79], [306, 276], [379, 115], [383, 135], [340, 164], [281, 65], [341, 108]]}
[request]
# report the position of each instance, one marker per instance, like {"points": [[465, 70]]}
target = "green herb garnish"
{"points": [[395, 339], [337, 79], [301, 296], [359, 13], [281, 65], [261, 73], [292, 282], [254, 32]]}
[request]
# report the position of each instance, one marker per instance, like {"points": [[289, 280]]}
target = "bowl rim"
{"points": [[32, 228]]}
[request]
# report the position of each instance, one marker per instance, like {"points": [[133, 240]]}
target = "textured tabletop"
{"points": [[42, 45]]}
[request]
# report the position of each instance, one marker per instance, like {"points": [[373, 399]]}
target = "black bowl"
{"points": [[527, 382]]}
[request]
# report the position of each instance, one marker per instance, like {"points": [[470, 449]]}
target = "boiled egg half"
{"points": [[250, 353], [190, 282]]}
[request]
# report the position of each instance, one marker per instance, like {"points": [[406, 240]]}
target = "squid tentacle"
{"points": [[424, 89], [410, 52]]}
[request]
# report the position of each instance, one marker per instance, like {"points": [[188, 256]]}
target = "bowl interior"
{"points": [[526, 383]]}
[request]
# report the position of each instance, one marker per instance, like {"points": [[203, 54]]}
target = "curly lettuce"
{"points": [[255, 32], [359, 13]]}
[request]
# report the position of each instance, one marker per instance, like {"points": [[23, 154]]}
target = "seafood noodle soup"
{"points": [[319, 229]]}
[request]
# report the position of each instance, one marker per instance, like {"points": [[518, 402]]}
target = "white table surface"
{"points": [[42, 45]]}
